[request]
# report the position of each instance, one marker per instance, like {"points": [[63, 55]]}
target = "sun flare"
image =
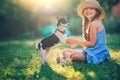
{"points": [[35, 5]]}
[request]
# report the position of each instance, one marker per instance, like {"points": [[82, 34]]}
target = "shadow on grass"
{"points": [[46, 73], [108, 70]]}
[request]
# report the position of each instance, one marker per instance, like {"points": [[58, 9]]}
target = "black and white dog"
{"points": [[59, 36]]}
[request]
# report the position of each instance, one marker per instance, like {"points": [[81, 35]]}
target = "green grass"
{"points": [[20, 61]]}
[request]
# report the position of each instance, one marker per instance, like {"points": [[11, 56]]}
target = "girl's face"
{"points": [[89, 12]]}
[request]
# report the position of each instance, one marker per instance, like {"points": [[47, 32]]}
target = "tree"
{"points": [[108, 5]]}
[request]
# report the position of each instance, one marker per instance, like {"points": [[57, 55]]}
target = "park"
{"points": [[25, 22]]}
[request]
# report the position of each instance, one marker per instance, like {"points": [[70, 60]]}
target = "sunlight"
{"points": [[92, 74], [49, 6], [48, 3], [36, 5]]}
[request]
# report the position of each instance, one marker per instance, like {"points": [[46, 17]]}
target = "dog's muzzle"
{"points": [[66, 25]]}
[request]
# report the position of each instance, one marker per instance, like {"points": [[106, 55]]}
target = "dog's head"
{"points": [[62, 21]]}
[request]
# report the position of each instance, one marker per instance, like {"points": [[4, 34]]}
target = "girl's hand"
{"points": [[72, 40]]}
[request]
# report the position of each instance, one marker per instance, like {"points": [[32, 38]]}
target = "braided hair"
{"points": [[85, 25]]}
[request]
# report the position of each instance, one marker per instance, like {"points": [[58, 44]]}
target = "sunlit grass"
{"points": [[20, 61]]}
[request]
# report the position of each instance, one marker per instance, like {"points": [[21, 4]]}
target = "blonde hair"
{"points": [[85, 25]]}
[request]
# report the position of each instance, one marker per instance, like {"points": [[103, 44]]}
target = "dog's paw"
{"points": [[73, 46], [61, 60]]}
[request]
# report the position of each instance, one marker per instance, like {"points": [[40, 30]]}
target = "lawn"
{"points": [[20, 61]]}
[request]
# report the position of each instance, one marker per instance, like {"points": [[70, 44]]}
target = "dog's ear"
{"points": [[61, 24], [65, 17], [58, 17]]}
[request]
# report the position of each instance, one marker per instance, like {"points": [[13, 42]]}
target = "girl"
{"points": [[94, 44]]}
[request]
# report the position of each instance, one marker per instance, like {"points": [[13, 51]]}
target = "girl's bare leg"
{"points": [[74, 55]]}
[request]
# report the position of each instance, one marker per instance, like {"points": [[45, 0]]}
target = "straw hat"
{"points": [[91, 4]]}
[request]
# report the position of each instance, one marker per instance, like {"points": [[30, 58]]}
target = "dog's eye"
{"points": [[64, 22]]}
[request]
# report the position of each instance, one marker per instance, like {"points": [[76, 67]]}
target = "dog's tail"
{"points": [[38, 46]]}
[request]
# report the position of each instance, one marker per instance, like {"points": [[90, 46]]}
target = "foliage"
{"points": [[20, 61], [16, 22], [112, 24], [76, 25], [108, 4]]}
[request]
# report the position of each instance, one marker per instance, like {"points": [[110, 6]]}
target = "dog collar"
{"points": [[63, 32]]}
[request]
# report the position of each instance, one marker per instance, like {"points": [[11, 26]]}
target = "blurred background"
{"points": [[31, 19]]}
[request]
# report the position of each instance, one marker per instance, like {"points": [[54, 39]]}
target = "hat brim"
{"points": [[84, 5]]}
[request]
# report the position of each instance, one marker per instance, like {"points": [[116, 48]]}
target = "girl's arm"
{"points": [[91, 43]]}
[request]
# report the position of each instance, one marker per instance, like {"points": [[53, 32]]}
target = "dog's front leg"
{"points": [[43, 52], [47, 52]]}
